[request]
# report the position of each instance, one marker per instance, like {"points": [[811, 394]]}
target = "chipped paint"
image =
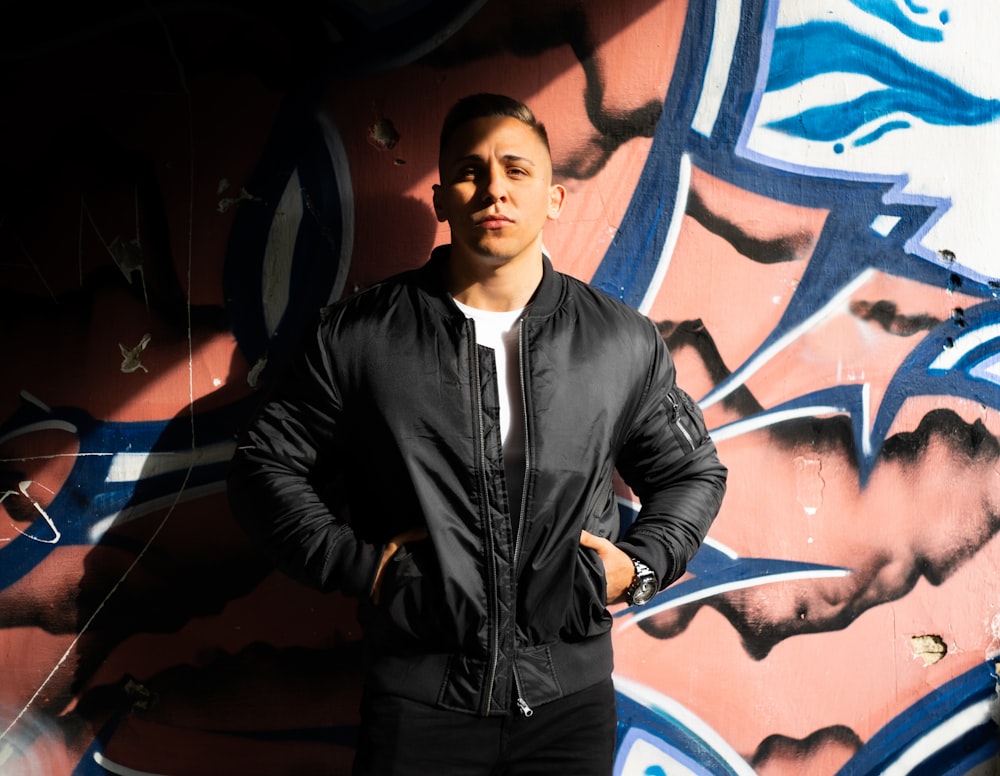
{"points": [[931, 648], [809, 483], [130, 356], [227, 202], [382, 134]]}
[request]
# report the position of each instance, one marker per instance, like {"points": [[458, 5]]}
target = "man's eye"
{"points": [[516, 172]]}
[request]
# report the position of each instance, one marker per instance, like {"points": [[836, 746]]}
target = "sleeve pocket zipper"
{"points": [[677, 417]]}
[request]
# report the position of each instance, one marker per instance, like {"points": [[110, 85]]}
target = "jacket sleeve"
{"points": [[282, 480], [671, 464]]}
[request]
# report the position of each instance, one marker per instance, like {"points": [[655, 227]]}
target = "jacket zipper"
{"points": [[492, 584], [678, 423], [522, 704]]}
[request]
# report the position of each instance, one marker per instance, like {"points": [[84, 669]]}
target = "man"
{"points": [[444, 450]]}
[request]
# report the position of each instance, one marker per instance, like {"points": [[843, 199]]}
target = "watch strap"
{"points": [[643, 574]]}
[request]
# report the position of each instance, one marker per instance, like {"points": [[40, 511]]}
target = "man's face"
{"points": [[496, 190]]}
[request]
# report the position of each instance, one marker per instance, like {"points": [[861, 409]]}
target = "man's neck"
{"points": [[498, 287]]}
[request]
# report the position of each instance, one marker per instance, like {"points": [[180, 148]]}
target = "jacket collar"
{"points": [[431, 279]]}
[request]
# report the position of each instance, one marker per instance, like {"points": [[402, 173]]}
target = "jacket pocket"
{"points": [[686, 420], [587, 614], [411, 613]]}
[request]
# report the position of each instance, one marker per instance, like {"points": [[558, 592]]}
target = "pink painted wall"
{"points": [[803, 198]]}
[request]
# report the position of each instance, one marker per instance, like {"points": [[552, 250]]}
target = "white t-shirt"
{"points": [[499, 331]]}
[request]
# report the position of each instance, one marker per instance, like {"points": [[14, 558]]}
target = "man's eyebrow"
{"points": [[516, 158]]}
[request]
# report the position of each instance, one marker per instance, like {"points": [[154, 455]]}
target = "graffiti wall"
{"points": [[801, 194]]}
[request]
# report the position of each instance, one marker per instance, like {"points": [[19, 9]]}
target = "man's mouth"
{"points": [[493, 222]]}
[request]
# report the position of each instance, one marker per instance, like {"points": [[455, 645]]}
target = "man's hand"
{"points": [[618, 568], [413, 535]]}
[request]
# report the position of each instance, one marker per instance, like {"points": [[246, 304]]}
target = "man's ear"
{"points": [[436, 188], [557, 197]]}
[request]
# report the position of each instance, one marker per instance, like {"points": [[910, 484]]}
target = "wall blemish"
{"points": [[130, 356], [382, 134], [930, 647], [809, 483]]}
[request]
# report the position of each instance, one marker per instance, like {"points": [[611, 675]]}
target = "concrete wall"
{"points": [[802, 193]]}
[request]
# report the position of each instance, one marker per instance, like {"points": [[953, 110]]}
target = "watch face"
{"points": [[644, 592]]}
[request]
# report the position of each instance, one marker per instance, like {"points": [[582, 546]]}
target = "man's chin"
{"points": [[498, 252], [489, 252]]}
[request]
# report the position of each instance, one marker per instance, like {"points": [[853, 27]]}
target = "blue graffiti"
{"points": [[959, 357], [304, 154], [715, 570], [871, 137], [658, 735], [819, 48], [889, 11], [120, 471], [914, 7], [948, 732]]}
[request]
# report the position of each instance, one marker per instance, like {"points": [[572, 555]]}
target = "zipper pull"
{"points": [[675, 407], [526, 710]]}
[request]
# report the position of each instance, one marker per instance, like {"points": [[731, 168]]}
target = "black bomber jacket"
{"points": [[389, 421]]}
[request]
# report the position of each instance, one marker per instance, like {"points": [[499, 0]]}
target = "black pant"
{"points": [[573, 735]]}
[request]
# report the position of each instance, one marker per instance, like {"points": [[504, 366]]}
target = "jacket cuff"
{"points": [[359, 574], [661, 560]]}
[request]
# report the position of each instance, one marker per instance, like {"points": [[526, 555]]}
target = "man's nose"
{"points": [[495, 187]]}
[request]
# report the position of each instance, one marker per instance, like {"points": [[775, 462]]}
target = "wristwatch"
{"points": [[644, 584]]}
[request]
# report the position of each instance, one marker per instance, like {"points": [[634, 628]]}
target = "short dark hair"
{"points": [[484, 105]]}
